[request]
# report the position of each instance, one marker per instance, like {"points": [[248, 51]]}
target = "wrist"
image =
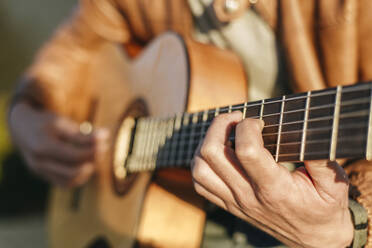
{"points": [[348, 237], [336, 235]]}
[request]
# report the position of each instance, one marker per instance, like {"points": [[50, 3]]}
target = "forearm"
{"points": [[60, 66]]}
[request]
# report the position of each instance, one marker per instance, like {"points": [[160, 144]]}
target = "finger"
{"points": [[203, 175], [65, 175], [228, 206], [101, 139], [70, 131], [257, 162], [201, 190], [84, 175], [329, 179], [52, 179], [66, 152], [222, 159], [37, 166], [221, 127]]}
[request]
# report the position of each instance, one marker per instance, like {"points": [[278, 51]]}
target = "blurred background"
{"points": [[24, 26]]}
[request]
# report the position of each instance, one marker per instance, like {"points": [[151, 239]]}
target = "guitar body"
{"points": [[162, 210]]}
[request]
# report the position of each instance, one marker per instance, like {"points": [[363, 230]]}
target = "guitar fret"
{"points": [[177, 126], [170, 132], [230, 109], [182, 143], [155, 144], [336, 118], [369, 134], [142, 141], [151, 162], [146, 144], [162, 141], [306, 117], [245, 110], [194, 120], [262, 108], [204, 124], [163, 156], [217, 111], [279, 131]]}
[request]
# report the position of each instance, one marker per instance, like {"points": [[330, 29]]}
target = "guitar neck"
{"points": [[325, 124]]}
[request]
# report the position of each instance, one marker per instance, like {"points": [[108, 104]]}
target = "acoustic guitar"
{"points": [[157, 117]]}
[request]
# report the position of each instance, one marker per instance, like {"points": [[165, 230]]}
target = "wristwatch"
{"points": [[359, 217]]}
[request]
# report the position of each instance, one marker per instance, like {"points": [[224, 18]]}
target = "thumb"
{"points": [[329, 179]]}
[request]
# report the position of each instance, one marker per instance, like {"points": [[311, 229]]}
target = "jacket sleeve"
{"points": [[59, 68]]}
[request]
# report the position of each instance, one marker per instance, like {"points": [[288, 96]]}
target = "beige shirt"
{"points": [[250, 37]]}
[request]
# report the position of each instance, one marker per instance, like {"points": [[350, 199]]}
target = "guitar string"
{"points": [[313, 141], [346, 103], [317, 141], [180, 136], [198, 137], [290, 157], [343, 104], [176, 151], [327, 92], [356, 88], [288, 99]]}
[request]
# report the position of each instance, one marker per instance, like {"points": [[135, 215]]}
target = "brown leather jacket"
{"points": [[326, 43]]}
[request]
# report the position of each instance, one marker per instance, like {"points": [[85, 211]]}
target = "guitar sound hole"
{"points": [[136, 109], [100, 243]]}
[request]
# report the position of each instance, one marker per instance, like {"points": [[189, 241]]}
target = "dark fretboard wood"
{"points": [[325, 124]]}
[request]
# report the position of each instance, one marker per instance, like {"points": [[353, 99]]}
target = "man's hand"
{"points": [[308, 206], [54, 147]]}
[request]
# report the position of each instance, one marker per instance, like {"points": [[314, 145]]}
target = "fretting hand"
{"points": [[308, 206]]}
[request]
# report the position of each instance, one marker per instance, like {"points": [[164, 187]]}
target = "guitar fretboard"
{"points": [[326, 124]]}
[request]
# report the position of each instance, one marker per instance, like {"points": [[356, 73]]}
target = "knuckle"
{"points": [[242, 199], [246, 201], [209, 151], [252, 124], [221, 117], [246, 152], [256, 124]]}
